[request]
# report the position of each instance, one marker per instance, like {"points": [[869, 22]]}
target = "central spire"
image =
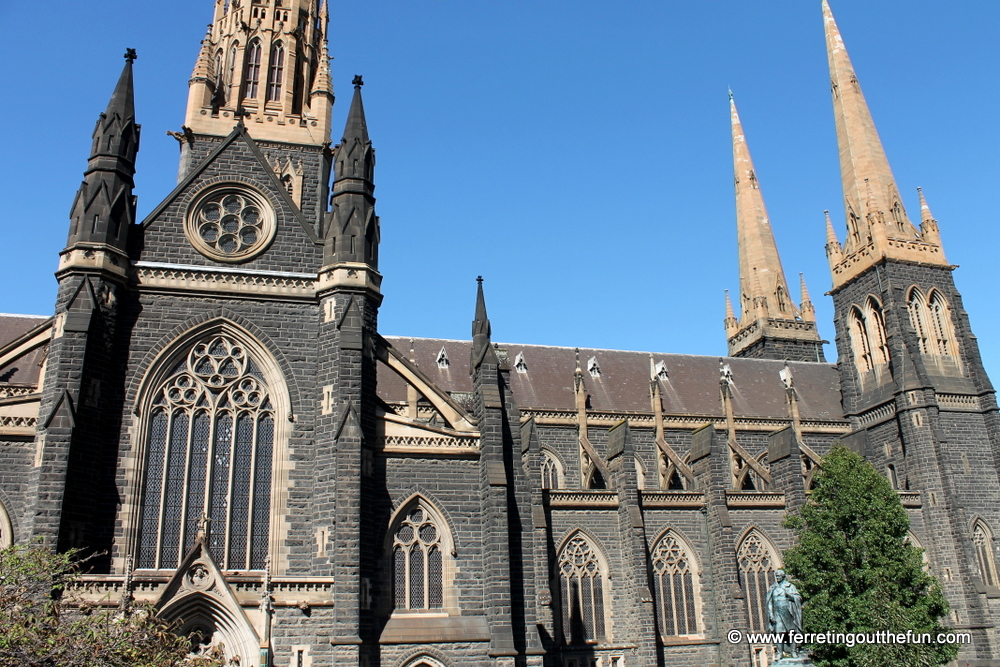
{"points": [[877, 223]]}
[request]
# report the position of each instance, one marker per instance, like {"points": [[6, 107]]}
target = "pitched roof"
{"points": [[691, 387], [25, 368]]}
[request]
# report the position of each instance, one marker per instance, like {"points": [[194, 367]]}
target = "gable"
{"points": [[281, 240]]}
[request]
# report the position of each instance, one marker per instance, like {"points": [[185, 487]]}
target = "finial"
{"points": [[240, 114], [358, 81], [479, 279], [130, 55], [730, 94]]}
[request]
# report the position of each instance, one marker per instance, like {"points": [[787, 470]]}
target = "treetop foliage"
{"points": [[857, 571], [43, 624]]}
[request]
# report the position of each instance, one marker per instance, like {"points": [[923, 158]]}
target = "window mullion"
{"points": [[163, 489], [233, 435], [251, 492], [186, 486]]}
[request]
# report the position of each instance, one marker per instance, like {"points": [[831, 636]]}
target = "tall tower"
{"points": [[912, 380], [74, 454], [770, 324], [270, 59]]}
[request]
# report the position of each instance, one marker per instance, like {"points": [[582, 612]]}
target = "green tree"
{"points": [[858, 573], [42, 624]]}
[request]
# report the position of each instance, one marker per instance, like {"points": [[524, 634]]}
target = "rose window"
{"points": [[231, 225]]}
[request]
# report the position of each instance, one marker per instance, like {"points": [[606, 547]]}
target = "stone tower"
{"points": [[913, 384], [77, 407], [770, 325]]}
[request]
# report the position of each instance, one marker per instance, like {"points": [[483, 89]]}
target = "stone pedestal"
{"points": [[793, 662]]}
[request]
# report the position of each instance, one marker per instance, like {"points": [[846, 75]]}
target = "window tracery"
{"points": [[582, 585], [552, 474], [418, 561], [944, 331], [676, 581], [758, 563], [982, 538], [211, 434]]}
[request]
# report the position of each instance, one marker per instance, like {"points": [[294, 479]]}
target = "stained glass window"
{"points": [[275, 73], [983, 541], [252, 70], [582, 584], [418, 566], [210, 443], [675, 581], [551, 471], [757, 567]]}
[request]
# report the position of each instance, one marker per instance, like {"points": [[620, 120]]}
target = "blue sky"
{"points": [[576, 154]]}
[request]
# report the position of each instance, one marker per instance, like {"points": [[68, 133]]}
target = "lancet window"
{"points": [[676, 581], [868, 339], [418, 560], [917, 308], [982, 538], [757, 563], [210, 438], [551, 471], [582, 581], [944, 331], [252, 78], [275, 73]]}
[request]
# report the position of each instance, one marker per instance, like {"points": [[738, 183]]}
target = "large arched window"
{"points": [[251, 79], [859, 341], [210, 436], [982, 538], [758, 562], [876, 331], [275, 72], [582, 584], [917, 308], [944, 330], [676, 583], [552, 473], [419, 539]]}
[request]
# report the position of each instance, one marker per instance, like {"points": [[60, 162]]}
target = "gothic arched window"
{"points": [[676, 581], [876, 331], [757, 562], [252, 77], [418, 552], [944, 331], [275, 73], [859, 341], [231, 64], [982, 538], [210, 437], [552, 473], [582, 578], [6, 528], [917, 308]]}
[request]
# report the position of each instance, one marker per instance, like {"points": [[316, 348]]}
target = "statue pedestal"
{"points": [[793, 662]]}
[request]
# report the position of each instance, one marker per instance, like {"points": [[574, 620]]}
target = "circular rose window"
{"points": [[231, 224]]}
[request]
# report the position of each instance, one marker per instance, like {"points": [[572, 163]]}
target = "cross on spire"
{"points": [[130, 55], [358, 81]]}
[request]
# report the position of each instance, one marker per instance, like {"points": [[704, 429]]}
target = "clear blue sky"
{"points": [[576, 154]]}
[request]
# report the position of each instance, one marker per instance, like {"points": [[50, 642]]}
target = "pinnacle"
{"points": [[925, 210], [357, 126], [831, 235], [122, 100]]}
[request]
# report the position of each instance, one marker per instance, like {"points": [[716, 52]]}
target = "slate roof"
{"points": [[692, 386], [25, 369]]}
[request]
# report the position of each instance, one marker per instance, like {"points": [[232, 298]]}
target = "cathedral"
{"points": [[212, 409]]}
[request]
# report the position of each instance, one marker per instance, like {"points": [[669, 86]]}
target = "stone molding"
{"points": [[18, 390], [959, 403], [247, 283], [288, 591], [583, 499], [685, 422], [427, 444], [672, 499], [754, 499]]}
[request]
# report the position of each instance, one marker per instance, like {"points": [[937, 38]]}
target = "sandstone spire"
{"points": [[877, 223], [769, 325]]}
